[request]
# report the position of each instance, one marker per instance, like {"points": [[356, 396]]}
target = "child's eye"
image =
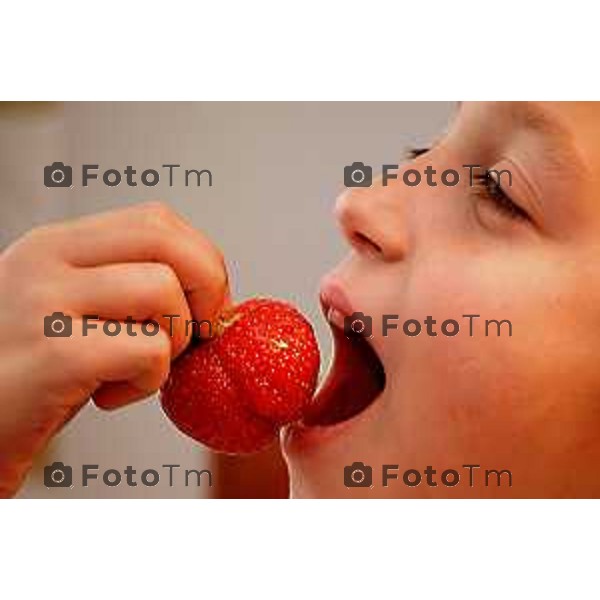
{"points": [[488, 188]]}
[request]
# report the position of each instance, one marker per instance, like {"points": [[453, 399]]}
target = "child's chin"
{"points": [[316, 456], [301, 439]]}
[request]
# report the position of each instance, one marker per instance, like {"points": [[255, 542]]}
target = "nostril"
{"points": [[362, 242]]}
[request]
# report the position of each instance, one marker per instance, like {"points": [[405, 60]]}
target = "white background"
{"points": [[303, 50]]}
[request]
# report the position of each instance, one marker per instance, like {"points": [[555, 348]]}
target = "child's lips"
{"points": [[335, 317], [334, 300], [356, 377]]}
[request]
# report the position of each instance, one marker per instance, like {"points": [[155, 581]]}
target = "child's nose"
{"points": [[374, 221]]}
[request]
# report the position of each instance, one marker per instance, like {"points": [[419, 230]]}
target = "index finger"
{"points": [[150, 232]]}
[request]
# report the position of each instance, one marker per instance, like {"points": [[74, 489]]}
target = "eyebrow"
{"points": [[533, 116], [561, 149]]}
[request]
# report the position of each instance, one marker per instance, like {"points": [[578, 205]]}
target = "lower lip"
{"points": [[299, 437]]}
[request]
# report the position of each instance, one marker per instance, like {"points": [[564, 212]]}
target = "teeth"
{"points": [[330, 313], [335, 317]]}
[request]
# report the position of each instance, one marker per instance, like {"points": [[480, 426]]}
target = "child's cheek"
{"points": [[477, 389]]}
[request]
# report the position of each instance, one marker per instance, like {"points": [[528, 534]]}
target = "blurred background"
{"points": [[277, 168]]}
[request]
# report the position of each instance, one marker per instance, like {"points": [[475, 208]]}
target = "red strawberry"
{"points": [[234, 391]]}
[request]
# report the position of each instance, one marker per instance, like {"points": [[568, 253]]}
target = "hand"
{"points": [[139, 262]]}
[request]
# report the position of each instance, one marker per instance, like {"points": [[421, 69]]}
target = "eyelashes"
{"points": [[487, 188], [413, 153]]}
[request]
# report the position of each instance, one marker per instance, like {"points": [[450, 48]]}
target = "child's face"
{"points": [[529, 402]]}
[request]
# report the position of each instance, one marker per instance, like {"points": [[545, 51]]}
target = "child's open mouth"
{"points": [[355, 379]]}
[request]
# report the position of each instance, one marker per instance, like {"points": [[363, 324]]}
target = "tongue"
{"points": [[354, 381]]}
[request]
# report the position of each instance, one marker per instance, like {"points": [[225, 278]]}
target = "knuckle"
{"points": [[40, 236], [28, 245], [64, 354], [158, 214], [165, 279], [30, 262], [34, 289]]}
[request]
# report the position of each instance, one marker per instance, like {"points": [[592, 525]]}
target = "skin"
{"points": [[529, 403], [141, 262]]}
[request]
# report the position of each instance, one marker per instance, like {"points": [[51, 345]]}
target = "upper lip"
{"points": [[332, 295]]}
